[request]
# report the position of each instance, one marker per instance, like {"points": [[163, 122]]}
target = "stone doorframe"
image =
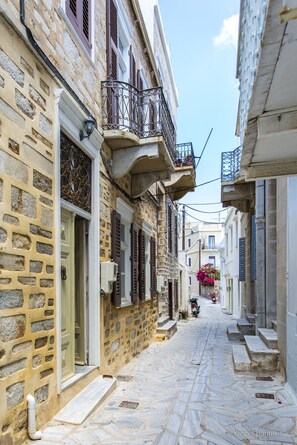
{"points": [[69, 118]]}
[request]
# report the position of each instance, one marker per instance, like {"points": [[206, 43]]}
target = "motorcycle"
{"points": [[195, 308], [214, 300]]}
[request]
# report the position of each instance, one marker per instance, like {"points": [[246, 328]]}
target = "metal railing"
{"points": [[184, 155], [144, 113], [209, 246], [230, 166]]}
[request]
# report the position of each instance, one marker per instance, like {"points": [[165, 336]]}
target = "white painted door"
{"points": [[67, 294]]}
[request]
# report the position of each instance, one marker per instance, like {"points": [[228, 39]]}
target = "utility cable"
{"points": [[201, 211]]}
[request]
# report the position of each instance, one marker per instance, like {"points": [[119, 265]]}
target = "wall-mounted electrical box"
{"points": [[109, 272], [160, 283]]}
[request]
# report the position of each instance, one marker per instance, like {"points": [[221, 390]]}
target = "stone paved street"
{"points": [[188, 394]]}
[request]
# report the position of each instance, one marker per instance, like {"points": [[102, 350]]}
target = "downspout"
{"points": [[32, 433], [50, 64]]}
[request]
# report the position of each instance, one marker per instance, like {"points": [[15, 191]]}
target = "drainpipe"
{"points": [[33, 434]]}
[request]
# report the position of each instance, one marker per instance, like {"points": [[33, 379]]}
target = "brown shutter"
{"points": [[140, 104], [132, 80], [153, 268], [141, 265], [116, 255], [175, 295], [112, 40], [86, 20], [79, 13], [169, 227], [176, 235], [134, 264]]}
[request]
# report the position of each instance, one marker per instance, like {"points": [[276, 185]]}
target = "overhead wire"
{"points": [[201, 211]]}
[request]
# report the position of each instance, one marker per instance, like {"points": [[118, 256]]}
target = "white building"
{"points": [[201, 247]]}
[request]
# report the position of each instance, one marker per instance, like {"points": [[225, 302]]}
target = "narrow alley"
{"points": [[186, 393]]}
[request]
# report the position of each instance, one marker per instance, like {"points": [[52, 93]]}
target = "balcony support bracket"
{"points": [[142, 182], [175, 177], [124, 159]]}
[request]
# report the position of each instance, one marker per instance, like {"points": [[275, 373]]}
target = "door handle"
{"points": [[63, 273]]}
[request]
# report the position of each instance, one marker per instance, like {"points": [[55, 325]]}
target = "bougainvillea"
{"points": [[208, 274]]}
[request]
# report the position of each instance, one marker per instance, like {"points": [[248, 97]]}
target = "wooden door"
{"points": [[67, 294], [170, 300], [80, 291]]}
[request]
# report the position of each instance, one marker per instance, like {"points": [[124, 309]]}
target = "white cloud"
{"points": [[229, 33]]}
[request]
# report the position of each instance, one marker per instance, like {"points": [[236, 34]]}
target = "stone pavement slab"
{"points": [[188, 394]]}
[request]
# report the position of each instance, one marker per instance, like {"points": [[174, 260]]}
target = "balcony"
{"points": [[138, 128], [182, 180], [210, 246], [235, 191], [267, 67]]}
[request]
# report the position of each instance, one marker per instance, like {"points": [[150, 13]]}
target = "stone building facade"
{"points": [[70, 202]]}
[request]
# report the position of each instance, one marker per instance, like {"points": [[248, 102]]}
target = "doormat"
{"points": [[265, 379], [264, 395], [126, 404]]}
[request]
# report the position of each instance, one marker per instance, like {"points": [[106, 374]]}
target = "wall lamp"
{"points": [[89, 125]]}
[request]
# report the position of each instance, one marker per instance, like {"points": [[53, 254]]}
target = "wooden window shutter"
{"points": [[79, 13], [141, 265], [176, 235], [253, 250], [132, 80], [134, 263], [175, 295], [241, 259], [116, 255], [86, 20], [112, 40], [153, 268], [169, 227]]}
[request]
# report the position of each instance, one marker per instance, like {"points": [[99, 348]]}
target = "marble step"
{"points": [[162, 321], [251, 318], [274, 324], [245, 327], [269, 336], [241, 358], [86, 401], [233, 333], [263, 358], [166, 331]]}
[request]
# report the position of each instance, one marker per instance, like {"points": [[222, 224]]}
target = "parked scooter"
{"points": [[213, 298], [195, 309]]}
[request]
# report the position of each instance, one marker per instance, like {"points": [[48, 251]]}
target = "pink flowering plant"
{"points": [[208, 274]]}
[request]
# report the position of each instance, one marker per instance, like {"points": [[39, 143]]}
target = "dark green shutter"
{"points": [[116, 255]]}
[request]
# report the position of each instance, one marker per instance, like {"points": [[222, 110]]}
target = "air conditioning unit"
{"points": [[109, 272]]}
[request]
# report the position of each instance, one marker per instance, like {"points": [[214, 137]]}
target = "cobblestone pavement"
{"points": [[188, 394]]}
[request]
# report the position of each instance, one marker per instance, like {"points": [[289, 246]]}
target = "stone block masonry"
{"points": [[27, 285]]}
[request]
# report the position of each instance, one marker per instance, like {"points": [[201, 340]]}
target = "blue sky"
{"points": [[202, 37]]}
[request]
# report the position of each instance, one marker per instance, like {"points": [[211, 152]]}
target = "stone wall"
{"points": [[127, 331], [27, 285]]}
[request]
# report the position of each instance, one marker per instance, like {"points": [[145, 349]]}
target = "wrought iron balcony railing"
{"points": [[230, 166], [144, 113], [184, 155], [209, 246]]}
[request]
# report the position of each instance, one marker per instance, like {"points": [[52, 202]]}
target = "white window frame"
{"points": [[126, 213], [148, 230], [125, 34]]}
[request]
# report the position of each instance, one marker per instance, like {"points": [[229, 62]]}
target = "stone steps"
{"points": [[86, 401], [274, 325], [251, 318], [166, 331], [262, 357], [269, 336], [241, 359], [162, 321], [233, 333], [245, 326]]}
